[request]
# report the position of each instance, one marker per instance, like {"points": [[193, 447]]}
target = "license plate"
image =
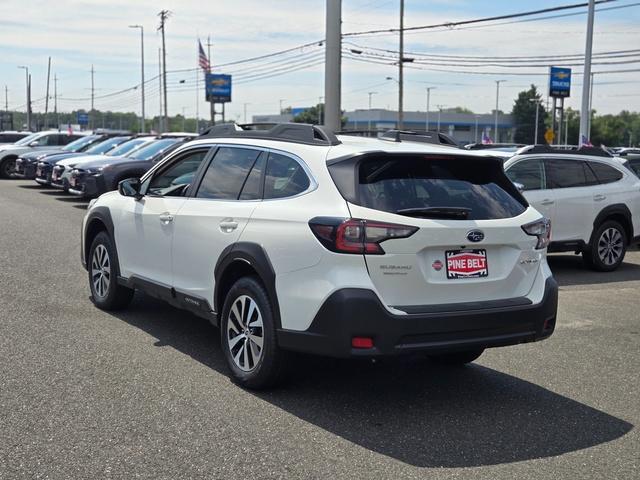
{"points": [[468, 263]]}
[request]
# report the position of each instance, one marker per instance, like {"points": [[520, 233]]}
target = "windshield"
{"points": [[105, 146], [126, 147], [150, 151], [79, 144], [28, 139]]}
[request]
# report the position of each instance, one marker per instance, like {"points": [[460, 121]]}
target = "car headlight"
{"points": [[94, 171]]}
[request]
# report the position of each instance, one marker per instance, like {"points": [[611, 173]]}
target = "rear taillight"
{"points": [[353, 235], [541, 229]]}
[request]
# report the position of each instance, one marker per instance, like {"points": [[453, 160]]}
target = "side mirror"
{"points": [[130, 187], [35, 143], [519, 186]]}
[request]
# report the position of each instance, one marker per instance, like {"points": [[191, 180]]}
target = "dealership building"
{"points": [[463, 127]]}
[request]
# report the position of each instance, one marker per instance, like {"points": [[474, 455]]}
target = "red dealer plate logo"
{"points": [[466, 263]]}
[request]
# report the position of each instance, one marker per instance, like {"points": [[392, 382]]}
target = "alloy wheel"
{"points": [[610, 246], [245, 333], [100, 271]]}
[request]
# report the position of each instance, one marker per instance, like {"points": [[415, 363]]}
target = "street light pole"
{"points": [[428, 107], [498, 82], [26, 69], [333, 65], [475, 136], [245, 111], [401, 70], [535, 135], [586, 78], [142, 120], [439, 113], [369, 112]]}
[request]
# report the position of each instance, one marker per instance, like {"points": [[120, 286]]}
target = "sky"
{"points": [[80, 33]]}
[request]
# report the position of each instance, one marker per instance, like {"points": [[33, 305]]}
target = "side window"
{"points": [[44, 140], [567, 173], [174, 180], [252, 189], [529, 173], [284, 177], [227, 173], [605, 173]]}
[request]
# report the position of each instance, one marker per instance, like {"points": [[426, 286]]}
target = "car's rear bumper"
{"points": [[353, 312]]}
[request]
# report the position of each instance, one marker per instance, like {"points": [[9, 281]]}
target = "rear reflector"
{"points": [[362, 342]]}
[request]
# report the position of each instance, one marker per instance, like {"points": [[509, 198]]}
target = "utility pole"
{"points": [[55, 100], [537, 103], [428, 107], [332, 68], [401, 70], [6, 98], [93, 92], [566, 131], [586, 79], [160, 129], [46, 100], [164, 14], [212, 105], [498, 82], [142, 119], [590, 108], [320, 99], [475, 136], [369, 113], [245, 111], [27, 81]]}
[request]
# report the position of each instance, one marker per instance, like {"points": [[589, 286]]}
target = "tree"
{"points": [[310, 115], [524, 116]]}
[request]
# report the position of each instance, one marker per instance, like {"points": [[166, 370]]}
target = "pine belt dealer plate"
{"points": [[468, 263]]}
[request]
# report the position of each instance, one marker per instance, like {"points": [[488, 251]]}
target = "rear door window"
{"points": [[605, 173], [453, 188], [529, 173], [227, 173]]}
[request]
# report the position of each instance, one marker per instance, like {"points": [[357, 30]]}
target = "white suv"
{"points": [[592, 199], [295, 239]]}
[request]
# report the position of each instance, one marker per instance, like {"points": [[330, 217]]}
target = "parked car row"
{"points": [[94, 163]]}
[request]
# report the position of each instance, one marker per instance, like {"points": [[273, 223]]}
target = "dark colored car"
{"points": [[48, 174], [25, 166], [93, 178]]}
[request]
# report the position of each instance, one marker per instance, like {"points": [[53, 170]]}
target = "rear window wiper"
{"points": [[453, 213]]}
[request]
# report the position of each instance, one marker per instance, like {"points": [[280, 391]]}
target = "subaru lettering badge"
{"points": [[475, 236]]}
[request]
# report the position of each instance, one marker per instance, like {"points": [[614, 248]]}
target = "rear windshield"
{"points": [[428, 187]]}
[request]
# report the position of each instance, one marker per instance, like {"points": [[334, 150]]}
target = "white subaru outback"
{"points": [[295, 239]]}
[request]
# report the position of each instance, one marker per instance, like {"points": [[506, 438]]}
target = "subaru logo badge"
{"points": [[475, 236]]}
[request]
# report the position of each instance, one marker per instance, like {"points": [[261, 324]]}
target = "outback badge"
{"points": [[475, 236]]}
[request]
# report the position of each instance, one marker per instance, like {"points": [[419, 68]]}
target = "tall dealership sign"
{"points": [[559, 88], [218, 90]]}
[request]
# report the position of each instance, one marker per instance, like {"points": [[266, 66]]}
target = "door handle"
{"points": [[547, 201], [166, 218], [599, 197], [228, 225]]}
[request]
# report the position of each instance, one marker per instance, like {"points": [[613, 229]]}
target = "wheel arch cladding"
{"points": [[244, 259], [99, 221], [618, 212]]}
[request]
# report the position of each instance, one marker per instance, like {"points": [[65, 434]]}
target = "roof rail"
{"points": [[486, 146], [420, 137], [593, 151], [285, 132]]}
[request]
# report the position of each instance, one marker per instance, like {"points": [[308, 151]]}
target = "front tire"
{"points": [[106, 293], [457, 358], [607, 248], [6, 167], [248, 336]]}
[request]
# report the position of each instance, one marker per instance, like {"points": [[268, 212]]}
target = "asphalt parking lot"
{"points": [[145, 393]]}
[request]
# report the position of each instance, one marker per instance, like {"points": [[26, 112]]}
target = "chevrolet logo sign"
{"points": [[561, 75]]}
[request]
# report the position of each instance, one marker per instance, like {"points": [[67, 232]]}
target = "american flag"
{"points": [[586, 142], [203, 61], [486, 139]]}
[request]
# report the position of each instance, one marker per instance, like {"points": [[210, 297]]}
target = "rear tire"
{"points": [[607, 248], [457, 358], [6, 167], [248, 336], [106, 293]]}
